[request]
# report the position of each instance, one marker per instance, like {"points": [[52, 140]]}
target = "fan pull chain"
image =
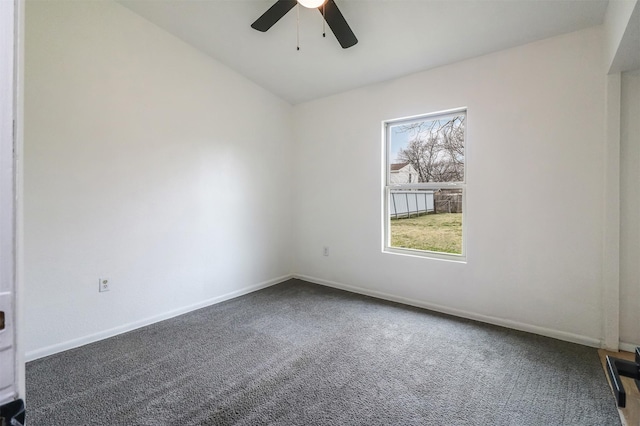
{"points": [[298, 26], [324, 21]]}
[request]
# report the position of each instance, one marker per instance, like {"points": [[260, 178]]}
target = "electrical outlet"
{"points": [[325, 251], [103, 285]]}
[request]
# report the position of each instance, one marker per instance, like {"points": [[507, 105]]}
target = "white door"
{"points": [[8, 366]]}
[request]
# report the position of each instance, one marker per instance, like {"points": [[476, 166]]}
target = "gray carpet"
{"points": [[303, 354]]}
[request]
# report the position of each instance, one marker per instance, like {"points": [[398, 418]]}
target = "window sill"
{"points": [[455, 258]]}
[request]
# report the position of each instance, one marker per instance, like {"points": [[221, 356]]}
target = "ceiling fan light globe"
{"points": [[311, 4]]}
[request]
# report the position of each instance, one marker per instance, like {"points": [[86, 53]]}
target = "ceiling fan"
{"points": [[327, 8]]}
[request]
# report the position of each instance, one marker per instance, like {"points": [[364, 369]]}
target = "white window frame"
{"points": [[388, 186]]}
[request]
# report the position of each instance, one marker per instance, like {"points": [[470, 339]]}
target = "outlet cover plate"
{"points": [[103, 285]]}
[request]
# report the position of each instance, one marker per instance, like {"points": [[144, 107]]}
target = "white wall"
{"points": [[148, 163], [535, 188], [630, 209], [622, 35]]}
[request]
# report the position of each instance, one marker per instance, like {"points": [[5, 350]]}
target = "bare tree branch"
{"points": [[436, 149]]}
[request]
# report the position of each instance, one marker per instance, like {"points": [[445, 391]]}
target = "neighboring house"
{"points": [[403, 173]]}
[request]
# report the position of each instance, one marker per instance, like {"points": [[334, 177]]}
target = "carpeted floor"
{"points": [[303, 354]]}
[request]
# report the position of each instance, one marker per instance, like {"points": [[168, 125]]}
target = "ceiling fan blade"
{"points": [[273, 15], [338, 24]]}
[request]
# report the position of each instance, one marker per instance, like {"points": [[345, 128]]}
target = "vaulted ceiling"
{"points": [[396, 37]]}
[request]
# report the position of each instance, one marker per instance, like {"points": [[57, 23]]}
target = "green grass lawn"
{"points": [[440, 232]]}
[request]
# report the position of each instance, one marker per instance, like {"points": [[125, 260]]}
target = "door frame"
{"points": [[11, 83]]}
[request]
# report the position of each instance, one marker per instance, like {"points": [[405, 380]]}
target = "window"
{"points": [[425, 184]]}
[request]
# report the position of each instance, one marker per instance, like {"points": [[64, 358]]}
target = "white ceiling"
{"points": [[396, 37]]}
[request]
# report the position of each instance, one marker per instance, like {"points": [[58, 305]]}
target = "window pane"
{"points": [[429, 219], [430, 150]]}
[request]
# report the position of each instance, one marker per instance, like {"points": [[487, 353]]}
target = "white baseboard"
{"points": [[81, 341], [628, 347], [556, 334]]}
